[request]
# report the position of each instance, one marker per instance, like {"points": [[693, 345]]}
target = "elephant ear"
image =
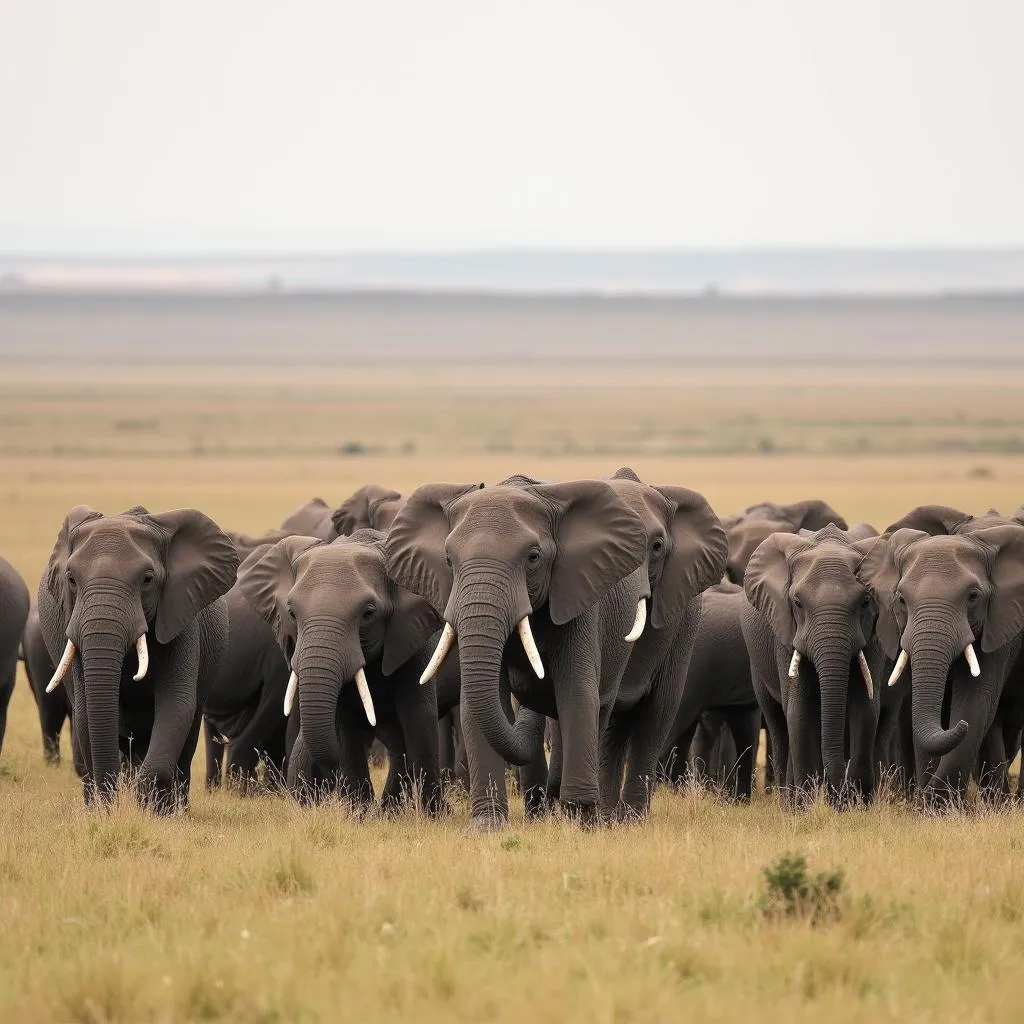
{"points": [[625, 473], [1018, 515], [812, 514], [313, 519], [935, 520], [766, 582], [57, 565], [356, 511], [266, 578], [599, 540], [880, 570], [412, 623], [414, 548], [1005, 620], [200, 565], [697, 558]]}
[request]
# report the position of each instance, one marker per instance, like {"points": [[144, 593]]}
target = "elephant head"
{"points": [[124, 582], [489, 559], [748, 529], [372, 507], [686, 546], [313, 519], [938, 597], [334, 612], [810, 592]]}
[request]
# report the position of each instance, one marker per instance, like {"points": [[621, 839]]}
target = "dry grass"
{"points": [[254, 909]]}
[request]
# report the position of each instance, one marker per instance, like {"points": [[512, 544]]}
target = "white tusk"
{"points": [[143, 652], [794, 665], [972, 660], [364, 695], [901, 664], [444, 645], [866, 673], [530, 646], [62, 669], [289, 694], [639, 622]]}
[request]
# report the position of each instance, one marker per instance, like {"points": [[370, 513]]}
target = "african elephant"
{"points": [[686, 553], [53, 707], [14, 605], [747, 529], [560, 569], [146, 585], [371, 507], [243, 713], [940, 594], [718, 680], [338, 617], [809, 628]]}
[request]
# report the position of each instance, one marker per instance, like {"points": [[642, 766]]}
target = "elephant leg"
{"points": [[461, 757], [649, 725], [488, 796], [580, 714], [993, 774], [778, 735], [446, 747], [803, 721], [745, 726], [554, 784], [416, 708], [248, 747], [53, 710], [301, 775], [354, 780], [862, 716], [6, 691], [533, 780], [81, 751], [274, 757], [396, 784], [184, 767], [614, 743], [214, 755]]}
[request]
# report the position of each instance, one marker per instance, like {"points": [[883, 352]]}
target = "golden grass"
{"points": [[254, 909]]}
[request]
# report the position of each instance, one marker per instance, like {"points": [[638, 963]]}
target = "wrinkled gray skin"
{"points": [[686, 553], [719, 693], [569, 556], [806, 593], [334, 611], [938, 592], [109, 580], [747, 529], [243, 715], [14, 605], [53, 708]]}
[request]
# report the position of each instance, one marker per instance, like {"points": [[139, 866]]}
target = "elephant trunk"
{"points": [[323, 664], [931, 660], [486, 619]]}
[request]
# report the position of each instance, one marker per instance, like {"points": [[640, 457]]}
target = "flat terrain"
{"points": [[257, 910]]}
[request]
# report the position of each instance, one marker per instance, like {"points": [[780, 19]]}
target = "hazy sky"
{"points": [[430, 123]]}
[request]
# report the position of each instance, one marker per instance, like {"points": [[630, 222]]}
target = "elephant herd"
{"points": [[600, 636]]}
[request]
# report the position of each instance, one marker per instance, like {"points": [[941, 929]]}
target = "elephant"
{"points": [[686, 554], [747, 529], [809, 627], [243, 713], [313, 519], [371, 507], [540, 584], [718, 695], [338, 618], [957, 583], [14, 607], [152, 584], [53, 707]]}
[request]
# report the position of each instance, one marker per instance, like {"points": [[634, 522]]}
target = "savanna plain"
{"points": [[255, 909]]}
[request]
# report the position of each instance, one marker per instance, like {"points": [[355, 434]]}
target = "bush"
{"points": [[793, 893]]}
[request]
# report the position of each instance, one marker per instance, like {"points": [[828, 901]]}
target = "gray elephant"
{"points": [[559, 569], [810, 631], [53, 708], [951, 608], [132, 613], [371, 507], [243, 713], [718, 681], [357, 644], [747, 529], [14, 606]]}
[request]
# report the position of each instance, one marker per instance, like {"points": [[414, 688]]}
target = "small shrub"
{"points": [[288, 876], [791, 892]]}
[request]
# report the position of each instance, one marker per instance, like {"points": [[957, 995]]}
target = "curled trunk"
{"points": [[931, 664]]}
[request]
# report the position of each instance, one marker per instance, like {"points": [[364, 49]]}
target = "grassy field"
{"points": [[257, 910]]}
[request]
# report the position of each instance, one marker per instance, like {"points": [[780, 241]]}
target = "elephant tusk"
{"points": [[530, 646], [143, 652], [972, 660], [364, 695], [444, 645], [901, 664], [794, 665], [62, 669], [289, 694], [865, 671], [639, 622]]}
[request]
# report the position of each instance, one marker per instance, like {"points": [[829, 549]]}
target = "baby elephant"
{"points": [[356, 645]]}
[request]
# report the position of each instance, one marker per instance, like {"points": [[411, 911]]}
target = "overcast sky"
{"points": [[428, 123]]}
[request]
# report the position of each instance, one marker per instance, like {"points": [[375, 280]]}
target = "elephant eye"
{"points": [[148, 576], [866, 601], [658, 546], [291, 612], [72, 583], [447, 559], [797, 603], [533, 557], [369, 612], [974, 597]]}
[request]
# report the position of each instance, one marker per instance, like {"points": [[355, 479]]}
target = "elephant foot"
{"points": [[535, 806], [587, 816], [629, 814], [480, 824]]}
